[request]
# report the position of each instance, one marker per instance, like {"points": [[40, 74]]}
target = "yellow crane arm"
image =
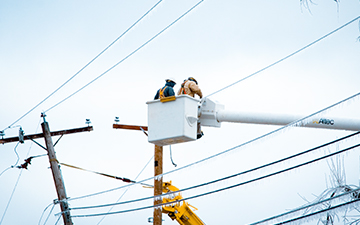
{"points": [[179, 211]]}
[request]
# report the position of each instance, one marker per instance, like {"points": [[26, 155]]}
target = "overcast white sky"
{"points": [[44, 43]]}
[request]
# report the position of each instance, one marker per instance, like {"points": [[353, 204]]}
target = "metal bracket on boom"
{"points": [[180, 210], [208, 113]]}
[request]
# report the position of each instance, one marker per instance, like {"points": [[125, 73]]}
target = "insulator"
{"points": [[21, 135]]}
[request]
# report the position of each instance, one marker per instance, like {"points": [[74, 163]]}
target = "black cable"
{"points": [[322, 202], [298, 122], [91, 61], [221, 189], [224, 178], [321, 211]]}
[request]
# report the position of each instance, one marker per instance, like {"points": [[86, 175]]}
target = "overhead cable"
{"points": [[223, 189], [91, 61], [126, 57], [11, 196], [286, 57], [53, 205], [17, 181], [13, 166], [225, 178], [347, 204], [351, 193], [104, 174], [127, 188], [292, 124]]}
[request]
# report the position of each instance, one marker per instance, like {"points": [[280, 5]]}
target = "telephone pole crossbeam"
{"points": [[54, 164], [130, 127], [41, 135]]}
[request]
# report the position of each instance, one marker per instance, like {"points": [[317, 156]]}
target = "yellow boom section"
{"points": [[179, 211]]}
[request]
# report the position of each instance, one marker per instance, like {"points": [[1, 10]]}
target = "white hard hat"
{"points": [[171, 79]]}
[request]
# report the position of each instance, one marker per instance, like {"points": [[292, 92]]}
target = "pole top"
{"points": [[43, 115]]}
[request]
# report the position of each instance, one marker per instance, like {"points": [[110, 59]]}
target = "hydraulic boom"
{"points": [[180, 211]]}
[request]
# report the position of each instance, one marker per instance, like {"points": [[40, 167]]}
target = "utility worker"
{"points": [[182, 91], [190, 87], [167, 90]]}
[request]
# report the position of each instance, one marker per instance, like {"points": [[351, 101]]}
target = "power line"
{"points": [[10, 167], [226, 188], [286, 57], [292, 124], [128, 188], [347, 204], [104, 174], [58, 220], [11, 196], [231, 176], [228, 177], [350, 193], [17, 181], [13, 166], [91, 61], [126, 57], [53, 205]]}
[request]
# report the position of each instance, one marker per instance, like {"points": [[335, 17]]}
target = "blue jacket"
{"points": [[169, 91]]}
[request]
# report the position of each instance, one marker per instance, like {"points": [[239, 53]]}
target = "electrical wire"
{"points": [[11, 196], [91, 61], [324, 201], [232, 176], [48, 214], [13, 166], [226, 188], [171, 157], [47, 218], [18, 158], [103, 174], [17, 181], [126, 57], [57, 220], [127, 188], [321, 211], [10, 167], [298, 122], [286, 57]]}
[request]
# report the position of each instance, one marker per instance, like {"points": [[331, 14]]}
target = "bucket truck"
{"points": [[175, 121]]}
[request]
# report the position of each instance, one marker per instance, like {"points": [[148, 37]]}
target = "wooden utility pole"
{"points": [[158, 170], [54, 164], [158, 183], [59, 183]]}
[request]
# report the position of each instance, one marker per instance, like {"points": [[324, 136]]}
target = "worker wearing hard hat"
{"points": [[167, 90], [190, 87]]}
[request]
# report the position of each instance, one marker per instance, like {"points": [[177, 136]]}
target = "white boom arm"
{"points": [[212, 114]]}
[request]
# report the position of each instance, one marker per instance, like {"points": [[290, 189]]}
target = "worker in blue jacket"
{"points": [[167, 90]]}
